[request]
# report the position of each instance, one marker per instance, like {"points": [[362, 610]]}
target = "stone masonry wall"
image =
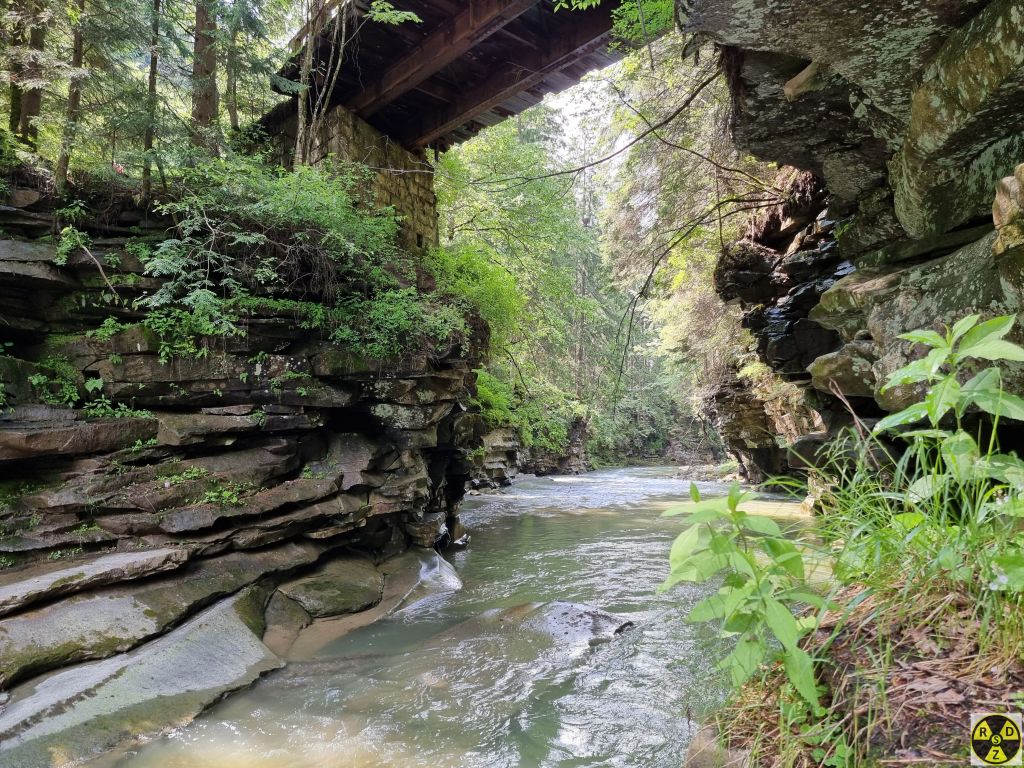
{"points": [[403, 179]]}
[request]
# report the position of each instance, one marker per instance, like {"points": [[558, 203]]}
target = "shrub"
{"points": [[921, 527], [246, 228]]}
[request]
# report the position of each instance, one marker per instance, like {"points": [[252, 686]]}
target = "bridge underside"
{"points": [[466, 66]]}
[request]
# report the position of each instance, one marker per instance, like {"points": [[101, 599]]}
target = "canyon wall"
{"points": [[151, 502], [907, 121]]}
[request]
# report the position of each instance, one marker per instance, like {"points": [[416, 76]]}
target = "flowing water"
{"points": [[454, 681]]}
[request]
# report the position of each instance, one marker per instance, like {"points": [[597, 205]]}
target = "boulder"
{"points": [[849, 369], [45, 582], [342, 585], [114, 619], [41, 438], [82, 712]]}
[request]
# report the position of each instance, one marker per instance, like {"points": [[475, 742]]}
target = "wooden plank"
{"points": [[586, 32], [445, 44]]}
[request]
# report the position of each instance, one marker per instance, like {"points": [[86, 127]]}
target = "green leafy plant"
{"points": [[109, 328], [103, 408], [249, 235], [384, 12], [57, 381], [277, 383], [70, 240], [226, 495], [946, 363], [191, 473], [922, 516], [64, 554], [765, 580]]}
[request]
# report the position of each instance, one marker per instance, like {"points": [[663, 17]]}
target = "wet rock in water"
{"points": [[436, 576], [96, 625], [26, 586], [83, 711], [570, 623], [706, 751], [343, 585], [569, 628], [284, 619]]}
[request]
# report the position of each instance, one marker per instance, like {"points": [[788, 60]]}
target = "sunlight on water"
{"points": [[477, 674]]}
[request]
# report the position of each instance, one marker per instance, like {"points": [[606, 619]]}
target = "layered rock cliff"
{"points": [[146, 493], [905, 120]]}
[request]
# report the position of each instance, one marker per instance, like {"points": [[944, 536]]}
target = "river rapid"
{"points": [[450, 681]]}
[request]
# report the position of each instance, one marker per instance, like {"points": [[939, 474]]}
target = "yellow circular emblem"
{"points": [[995, 740]]}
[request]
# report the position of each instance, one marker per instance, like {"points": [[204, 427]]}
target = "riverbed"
{"points": [[447, 681]]}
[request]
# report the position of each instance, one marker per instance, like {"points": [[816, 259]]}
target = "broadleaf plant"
{"points": [[766, 579]]}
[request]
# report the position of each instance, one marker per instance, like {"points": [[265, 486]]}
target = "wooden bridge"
{"points": [[467, 65]]}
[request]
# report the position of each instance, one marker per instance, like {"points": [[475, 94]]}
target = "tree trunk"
{"points": [[204, 77], [314, 13], [17, 40], [74, 112], [231, 65], [32, 31], [147, 137]]}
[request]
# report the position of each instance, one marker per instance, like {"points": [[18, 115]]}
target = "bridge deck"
{"points": [[469, 64]]}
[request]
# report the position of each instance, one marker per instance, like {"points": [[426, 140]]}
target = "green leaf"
{"points": [[786, 555], [1011, 507], [719, 606], [782, 623], [912, 373], [698, 569], [738, 562], [1003, 467], [717, 508], [925, 336], [800, 671], [997, 349], [735, 495], [931, 434], [925, 488], [987, 379], [684, 546], [801, 596], [960, 452], [761, 524], [999, 403], [963, 325], [908, 521], [996, 328], [941, 398], [694, 493], [744, 660], [742, 621], [910, 415], [1013, 567]]}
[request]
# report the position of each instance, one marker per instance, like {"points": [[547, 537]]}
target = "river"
{"points": [[444, 683]]}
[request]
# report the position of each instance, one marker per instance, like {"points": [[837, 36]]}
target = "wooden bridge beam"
{"points": [[448, 42], [587, 32]]}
